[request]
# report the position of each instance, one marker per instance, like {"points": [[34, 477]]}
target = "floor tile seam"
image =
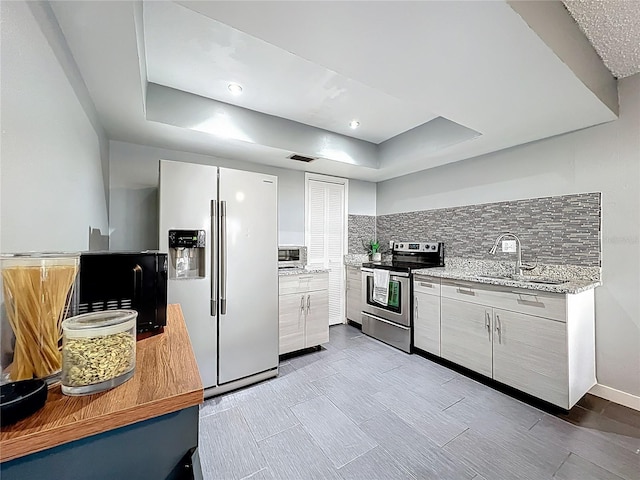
{"points": [[453, 404], [317, 448], [354, 423], [217, 412], [252, 474], [590, 434], [508, 441], [614, 420], [602, 436], [363, 453], [595, 464], [402, 467], [399, 410], [321, 450], [275, 433], [253, 436], [561, 464], [500, 446], [451, 440], [359, 424]]}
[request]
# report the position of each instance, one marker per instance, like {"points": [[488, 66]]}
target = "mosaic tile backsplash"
{"points": [[361, 229], [563, 230]]}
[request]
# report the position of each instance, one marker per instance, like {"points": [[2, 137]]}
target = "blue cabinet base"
{"points": [[153, 449]]}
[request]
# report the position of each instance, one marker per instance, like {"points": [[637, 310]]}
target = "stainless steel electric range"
{"points": [[392, 321]]}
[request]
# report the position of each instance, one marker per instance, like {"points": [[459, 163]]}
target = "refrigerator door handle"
{"points": [[214, 261], [223, 257]]}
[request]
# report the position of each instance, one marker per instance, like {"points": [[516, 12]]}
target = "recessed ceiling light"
{"points": [[235, 88], [354, 124]]}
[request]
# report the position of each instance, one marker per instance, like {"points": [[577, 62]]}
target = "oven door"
{"points": [[398, 308]]}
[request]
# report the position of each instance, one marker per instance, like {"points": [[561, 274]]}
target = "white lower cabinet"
{"points": [[426, 314], [551, 358], [467, 335], [354, 295], [292, 320], [303, 311], [316, 331], [530, 354]]}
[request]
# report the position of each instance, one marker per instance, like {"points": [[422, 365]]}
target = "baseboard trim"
{"points": [[617, 396]]}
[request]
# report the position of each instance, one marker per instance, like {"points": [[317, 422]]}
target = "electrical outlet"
{"points": [[509, 246]]}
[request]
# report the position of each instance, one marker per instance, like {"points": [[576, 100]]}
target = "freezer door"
{"points": [[248, 320], [186, 192]]}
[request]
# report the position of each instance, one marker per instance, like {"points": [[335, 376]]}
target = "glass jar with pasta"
{"points": [[37, 288]]}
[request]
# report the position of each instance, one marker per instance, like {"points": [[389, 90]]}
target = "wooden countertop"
{"points": [[166, 380]]}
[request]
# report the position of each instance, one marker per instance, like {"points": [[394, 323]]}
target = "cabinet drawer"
{"points": [[302, 283], [354, 274], [428, 285], [522, 300], [317, 281], [533, 302]]}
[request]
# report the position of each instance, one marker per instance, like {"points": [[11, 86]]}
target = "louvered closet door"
{"points": [[326, 219]]}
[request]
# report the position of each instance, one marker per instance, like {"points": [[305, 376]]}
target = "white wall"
{"points": [[134, 182], [362, 198], [604, 158], [51, 182]]}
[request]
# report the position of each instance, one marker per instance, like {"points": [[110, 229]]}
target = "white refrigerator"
{"points": [[220, 229]]}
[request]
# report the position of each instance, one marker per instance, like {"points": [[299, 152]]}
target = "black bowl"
{"points": [[21, 399]]}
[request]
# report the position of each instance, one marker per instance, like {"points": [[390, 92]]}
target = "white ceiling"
{"points": [[275, 81], [395, 67]]}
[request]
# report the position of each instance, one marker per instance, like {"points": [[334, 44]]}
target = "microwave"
{"points": [[292, 256], [127, 280]]}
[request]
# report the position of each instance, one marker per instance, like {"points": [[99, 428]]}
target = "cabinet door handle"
{"points": [[498, 329], [424, 284], [308, 303], [415, 299], [487, 323], [466, 292]]}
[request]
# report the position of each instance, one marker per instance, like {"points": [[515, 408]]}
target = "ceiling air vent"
{"points": [[301, 158]]}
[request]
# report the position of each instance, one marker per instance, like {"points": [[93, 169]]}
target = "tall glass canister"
{"points": [[37, 289]]}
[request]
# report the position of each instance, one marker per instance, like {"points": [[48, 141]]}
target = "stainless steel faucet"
{"points": [[519, 265]]}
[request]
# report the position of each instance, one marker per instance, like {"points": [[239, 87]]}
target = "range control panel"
{"points": [[417, 246]]}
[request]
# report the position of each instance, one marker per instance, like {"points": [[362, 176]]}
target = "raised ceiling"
{"points": [[430, 82]]}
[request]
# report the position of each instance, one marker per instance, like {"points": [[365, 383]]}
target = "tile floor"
{"points": [[358, 409]]}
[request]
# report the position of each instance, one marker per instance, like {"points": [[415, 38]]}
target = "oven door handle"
{"points": [[385, 321], [391, 273]]}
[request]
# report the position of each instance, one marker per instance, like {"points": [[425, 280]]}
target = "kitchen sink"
{"points": [[499, 277]]}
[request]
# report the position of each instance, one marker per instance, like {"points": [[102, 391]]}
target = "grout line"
{"points": [[561, 464], [363, 453], [537, 422], [454, 403], [297, 424], [461, 433], [254, 473]]}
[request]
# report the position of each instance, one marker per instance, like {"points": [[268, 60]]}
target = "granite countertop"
{"points": [[355, 259], [300, 271], [353, 263], [572, 285]]}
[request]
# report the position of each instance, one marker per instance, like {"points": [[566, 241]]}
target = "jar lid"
{"points": [[40, 255], [39, 258], [99, 323]]}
